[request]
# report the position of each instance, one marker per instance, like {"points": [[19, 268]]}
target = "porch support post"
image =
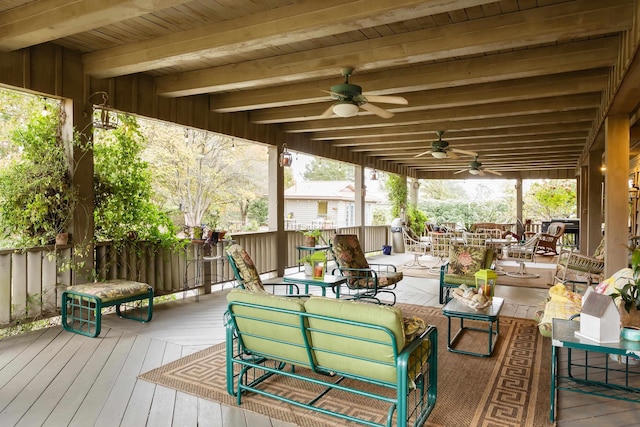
{"points": [[360, 194], [519, 221], [616, 212], [81, 164], [276, 207], [591, 216], [413, 192]]}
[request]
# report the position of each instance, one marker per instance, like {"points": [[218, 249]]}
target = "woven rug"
{"points": [[510, 388]]}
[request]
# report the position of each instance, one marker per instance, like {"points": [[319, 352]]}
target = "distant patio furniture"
{"points": [[525, 251], [572, 265], [366, 280], [548, 241], [440, 244], [415, 245]]}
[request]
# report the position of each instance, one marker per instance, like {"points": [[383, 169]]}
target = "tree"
{"points": [[123, 190], [549, 199], [327, 170]]}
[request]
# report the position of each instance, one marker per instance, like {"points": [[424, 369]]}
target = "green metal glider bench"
{"points": [[329, 343], [82, 304]]}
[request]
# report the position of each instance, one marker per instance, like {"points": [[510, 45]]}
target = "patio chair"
{"points": [[526, 250], [415, 245], [366, 280], [246, 274], [572, 265], [464, 262], [548, 241], [440, 244]]}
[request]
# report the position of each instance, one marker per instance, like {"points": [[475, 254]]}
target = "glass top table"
{"points": [[328, 281]]}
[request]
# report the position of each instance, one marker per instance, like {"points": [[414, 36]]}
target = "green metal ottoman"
{"points": [[82, 304]]}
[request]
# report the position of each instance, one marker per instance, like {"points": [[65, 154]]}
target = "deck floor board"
{"points": [[55, 378]]}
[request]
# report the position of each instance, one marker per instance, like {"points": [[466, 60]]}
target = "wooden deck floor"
{"points": [[55, 378]]}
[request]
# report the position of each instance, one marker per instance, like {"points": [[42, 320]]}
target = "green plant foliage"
{"points": [[259, 210], [416, 219], [551, 199], [327, 170], [396, 187], [123, 189], [37, 198], [630, 292], [465, 212]]}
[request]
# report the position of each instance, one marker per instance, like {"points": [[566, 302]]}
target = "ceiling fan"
{"points": [[440, 149], [349, 99], [475, 168]]}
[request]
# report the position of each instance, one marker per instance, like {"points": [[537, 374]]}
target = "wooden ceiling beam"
{"points": [[471, 112], [562, 21], [556, 59], [502, 91], [298, 22], [469, 138], [43, 21], [573, 118]]}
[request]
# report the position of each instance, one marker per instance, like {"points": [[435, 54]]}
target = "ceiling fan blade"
{"points": [[493, 172], [480, 172], [327, 113], [422, 154], [466, 152], [451, 154], [460, 171], [387, 99], [377, 110]]}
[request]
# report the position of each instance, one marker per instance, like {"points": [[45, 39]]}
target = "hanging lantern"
{"points": [[286, 158]]}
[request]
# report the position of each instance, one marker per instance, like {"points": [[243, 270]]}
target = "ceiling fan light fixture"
{"points": [[439, 154], [474, 171], [345, 109]]}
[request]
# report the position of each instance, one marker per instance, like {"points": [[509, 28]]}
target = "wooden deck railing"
{"points": [[32, 281]]}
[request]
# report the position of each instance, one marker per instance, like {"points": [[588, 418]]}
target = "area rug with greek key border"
{"points": [[510, 388]]}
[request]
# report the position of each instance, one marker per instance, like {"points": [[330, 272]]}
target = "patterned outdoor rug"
{"points": [[543, 267], [510, 388]]}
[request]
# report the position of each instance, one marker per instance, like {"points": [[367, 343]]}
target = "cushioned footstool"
{"points": [[82, 304]]}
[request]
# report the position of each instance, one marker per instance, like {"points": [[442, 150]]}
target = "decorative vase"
{"points": [[309, 241], [308, 269]]}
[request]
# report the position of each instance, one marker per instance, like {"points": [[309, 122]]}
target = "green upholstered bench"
{"points": [[82, 304], [300, 338]]}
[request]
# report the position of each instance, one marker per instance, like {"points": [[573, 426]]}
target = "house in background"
{"points": [[327, 204]]}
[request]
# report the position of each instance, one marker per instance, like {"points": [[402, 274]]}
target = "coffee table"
{"points": [[491, 314], [329, 281]]}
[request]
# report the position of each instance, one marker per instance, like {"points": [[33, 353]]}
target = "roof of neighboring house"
{"points": [[328, 190]]}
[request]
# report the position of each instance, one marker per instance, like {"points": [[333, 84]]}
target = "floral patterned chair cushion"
{"points": [[112, 289], [370, 278], [244, 268], [466, 260]]}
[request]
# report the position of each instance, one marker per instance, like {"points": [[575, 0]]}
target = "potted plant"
{"points": [[311, 237], [627, 298], [307, 262]]}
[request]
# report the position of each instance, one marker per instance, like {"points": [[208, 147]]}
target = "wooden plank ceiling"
{"points": [[519, 82]]}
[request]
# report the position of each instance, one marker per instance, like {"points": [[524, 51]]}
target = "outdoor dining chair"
{"points": [[415, 245], [367, 281]]}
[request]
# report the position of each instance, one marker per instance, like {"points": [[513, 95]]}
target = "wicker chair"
{"points": [[415, 245], [572, 265], [525, 251]]}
